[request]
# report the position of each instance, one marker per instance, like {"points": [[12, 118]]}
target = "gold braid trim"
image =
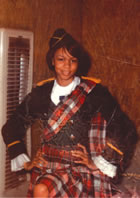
{"points": [[96, 80], [44, 81], [13, 143], [114, 148]]}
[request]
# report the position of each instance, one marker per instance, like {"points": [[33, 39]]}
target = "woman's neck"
{"points": [[64, 82]]}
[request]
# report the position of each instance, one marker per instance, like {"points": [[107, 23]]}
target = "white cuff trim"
{"points": [[17, 163], [104, 166]]}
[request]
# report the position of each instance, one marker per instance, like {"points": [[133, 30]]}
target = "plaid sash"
{"points": [[68, 108]]}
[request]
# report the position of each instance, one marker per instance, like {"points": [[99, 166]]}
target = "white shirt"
{"points": [[59, 90]]}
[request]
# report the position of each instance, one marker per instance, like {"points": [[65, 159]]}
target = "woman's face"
{"points": [[65, 66]]}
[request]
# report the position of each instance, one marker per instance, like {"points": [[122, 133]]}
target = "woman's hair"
{"points": [[62, 39]]}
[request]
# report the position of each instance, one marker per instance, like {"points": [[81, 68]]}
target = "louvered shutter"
{"points": [[17, 71]]}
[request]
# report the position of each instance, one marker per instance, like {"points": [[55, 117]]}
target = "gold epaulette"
{"points": [[96, 80], [44, 81], [13, 143]]}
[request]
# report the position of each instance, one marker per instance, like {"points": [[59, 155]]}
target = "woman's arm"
{"points": [[15, 128], [98, 162], [120, 131]]}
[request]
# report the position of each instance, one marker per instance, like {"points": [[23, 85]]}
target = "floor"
{"points": [[20, 191]]}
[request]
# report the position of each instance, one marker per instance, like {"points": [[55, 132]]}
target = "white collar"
{"points": [[58, 90]]}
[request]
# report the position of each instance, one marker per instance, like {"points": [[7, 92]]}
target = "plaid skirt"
{"points": [[65, 179]]}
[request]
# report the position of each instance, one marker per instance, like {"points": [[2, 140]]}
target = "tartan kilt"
{"points": [[66, 179], [70, 182]]}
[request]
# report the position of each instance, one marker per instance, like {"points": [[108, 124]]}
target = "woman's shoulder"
{"points": [[101, 99], [43, 86], [40, 91], [102, 93], [99, 89]]}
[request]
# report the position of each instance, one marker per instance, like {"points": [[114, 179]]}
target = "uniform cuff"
{"points": [[17, 163], [104, 166]]}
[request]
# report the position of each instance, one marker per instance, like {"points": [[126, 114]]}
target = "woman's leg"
{"points": [[41, 190]]}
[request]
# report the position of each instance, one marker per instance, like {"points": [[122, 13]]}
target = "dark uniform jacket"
{"points": [[37, 105]]}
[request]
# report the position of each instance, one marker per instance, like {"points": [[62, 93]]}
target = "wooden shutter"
{"points": [[16, 63], [17, 81]]}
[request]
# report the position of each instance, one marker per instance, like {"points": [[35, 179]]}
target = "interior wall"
{"points": [[42, 17], [111, 33]]}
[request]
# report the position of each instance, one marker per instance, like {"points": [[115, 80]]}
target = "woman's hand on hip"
{"points": [[83, 157], [38, 162]]}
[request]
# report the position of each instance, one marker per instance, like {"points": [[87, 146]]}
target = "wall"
{"points": [[111, 33], [42, 17]]}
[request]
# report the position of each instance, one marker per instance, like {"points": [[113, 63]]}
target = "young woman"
{"points": [[86, 138]]}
